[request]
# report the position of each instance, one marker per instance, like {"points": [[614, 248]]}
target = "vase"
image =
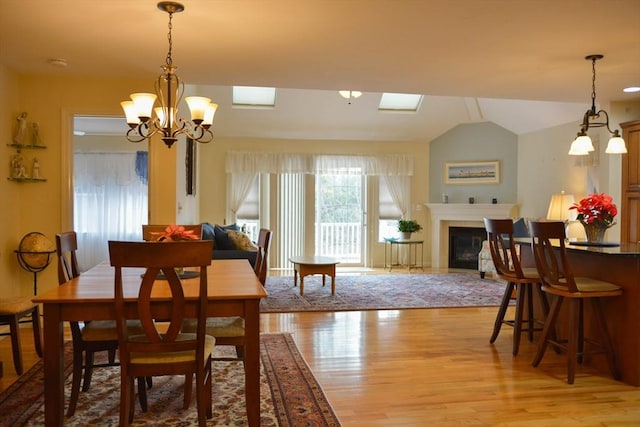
{"points": [[595, 232], [405, 235]]}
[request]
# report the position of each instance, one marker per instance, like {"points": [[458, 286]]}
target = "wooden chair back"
{"points": [[503, 249], [550, 254], [260, 266], [150, 232], [156, 258], [66, 248]]}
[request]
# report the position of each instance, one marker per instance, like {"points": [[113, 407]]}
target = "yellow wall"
{"points": [[45, 207]]}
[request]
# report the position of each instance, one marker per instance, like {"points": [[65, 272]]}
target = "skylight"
{"points": [[253, 96], [399, 102]]}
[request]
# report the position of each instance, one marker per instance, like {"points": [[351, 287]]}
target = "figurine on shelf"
{"points": [[35, 169], [21, 129], [17, 166], [36, 141]]}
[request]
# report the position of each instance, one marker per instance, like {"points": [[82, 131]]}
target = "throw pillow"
{"points": [[241, 241], [222, 240], [208, 232]]}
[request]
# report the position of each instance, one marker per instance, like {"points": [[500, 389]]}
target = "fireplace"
{"points": [[446, 215], [464, 245]]}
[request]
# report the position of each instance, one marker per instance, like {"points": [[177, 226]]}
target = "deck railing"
{"points": [[341, 240]]}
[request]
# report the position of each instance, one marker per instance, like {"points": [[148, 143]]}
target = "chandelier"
{"points": [[146, 121], [582, 145]]}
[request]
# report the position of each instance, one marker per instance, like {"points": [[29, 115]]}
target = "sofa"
{"points": [[229, 242], [485, 262]]}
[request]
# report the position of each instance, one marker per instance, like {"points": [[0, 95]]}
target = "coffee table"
{"points": [[309, 265]]}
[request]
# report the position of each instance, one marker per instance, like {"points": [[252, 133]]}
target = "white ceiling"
{"points": [[471, 58]]}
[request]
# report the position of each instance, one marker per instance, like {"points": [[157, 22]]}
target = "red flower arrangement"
{"points": [[175, 233], [596, 209]]}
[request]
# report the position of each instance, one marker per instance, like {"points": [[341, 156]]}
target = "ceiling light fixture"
{"points": [[169, 90], [350, 94], [582, 145]]}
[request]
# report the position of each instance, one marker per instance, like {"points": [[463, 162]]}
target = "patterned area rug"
{"points": [[290, 394], [382, 291]]}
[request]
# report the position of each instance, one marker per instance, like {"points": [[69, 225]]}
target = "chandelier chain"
{"points": [[593, 83], [169, 60]]}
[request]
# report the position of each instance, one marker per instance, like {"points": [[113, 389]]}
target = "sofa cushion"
{"points": [[520, 228], [222, 240], [234, 254], [241, 241]]}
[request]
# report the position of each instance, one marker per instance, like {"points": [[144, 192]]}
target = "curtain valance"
{"points": [[385, 164]]}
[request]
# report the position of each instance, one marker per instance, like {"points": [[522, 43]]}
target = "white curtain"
{"points": [[400, 192], [110, 203], [240, 187], [389, 164]]}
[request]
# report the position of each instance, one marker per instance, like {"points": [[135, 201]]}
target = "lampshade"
{"points": [[559, 207], [581, 146], [616, 145]]}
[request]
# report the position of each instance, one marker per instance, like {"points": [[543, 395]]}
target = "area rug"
{"points": [[382, 292], [290, 394]]}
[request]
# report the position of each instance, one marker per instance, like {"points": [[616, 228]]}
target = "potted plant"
{"points": [[408, 226]]}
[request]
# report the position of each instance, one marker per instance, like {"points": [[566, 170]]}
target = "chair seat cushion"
{"points": [[9, 306], [105, 330], [585, 285], [218, 326], [172, 357]]}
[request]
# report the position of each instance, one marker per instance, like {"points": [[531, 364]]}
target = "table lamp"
{"points": [[559, 211]]}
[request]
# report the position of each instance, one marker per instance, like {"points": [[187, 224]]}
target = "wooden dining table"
{"points": [[233, 290]]}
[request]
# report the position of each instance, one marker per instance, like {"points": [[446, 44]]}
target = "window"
{"points": [[388, 213]]}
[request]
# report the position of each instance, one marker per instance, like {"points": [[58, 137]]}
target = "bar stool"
{"points": [[558, 280], [507, 264]]}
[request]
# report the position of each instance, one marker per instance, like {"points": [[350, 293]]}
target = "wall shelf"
{"points": [[27, 179]]}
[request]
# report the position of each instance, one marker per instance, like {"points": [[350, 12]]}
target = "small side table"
{"points": [[309, 265], [413, 246]]}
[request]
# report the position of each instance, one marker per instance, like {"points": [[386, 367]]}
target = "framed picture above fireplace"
{"points": [[465, 173]]}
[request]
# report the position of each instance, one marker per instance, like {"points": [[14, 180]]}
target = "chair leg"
{"points": [[75, 379], [517, 323], [581, 341], [88, 370], [575, 309], [188, 386], [240, 351], [142, 393], [549, 326], [37, 334], [506, 298], [14, 329], [531, 314]]}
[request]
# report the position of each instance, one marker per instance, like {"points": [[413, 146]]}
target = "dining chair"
{"points": [[506, 260], [230, 330], [550, 254], [163, 349], [12, 310], [88, 338], [260, 266]]}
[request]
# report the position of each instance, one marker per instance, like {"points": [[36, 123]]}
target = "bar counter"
{"points": [[619, 265]]}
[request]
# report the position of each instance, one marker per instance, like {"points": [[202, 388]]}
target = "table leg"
{"points": [[324, 281], [53, 366], [295, 275], [301, 285], [252, 361], [333, 280]]}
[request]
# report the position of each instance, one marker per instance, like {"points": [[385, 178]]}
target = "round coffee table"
{"points": [[309, 265]]}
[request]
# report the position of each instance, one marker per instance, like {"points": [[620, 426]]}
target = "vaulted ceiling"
{"points": [[517, 63]]}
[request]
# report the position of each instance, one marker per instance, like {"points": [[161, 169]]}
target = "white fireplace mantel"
{"points": [[444, 215]]}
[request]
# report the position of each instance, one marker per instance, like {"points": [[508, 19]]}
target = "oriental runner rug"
{"points": [[290, 394], [382, 292]]}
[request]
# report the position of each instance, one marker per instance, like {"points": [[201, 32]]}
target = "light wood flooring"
{"points": [[434, 367]]}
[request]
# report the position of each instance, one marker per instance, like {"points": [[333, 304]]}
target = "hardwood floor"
{"points": [[434, 367]]}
